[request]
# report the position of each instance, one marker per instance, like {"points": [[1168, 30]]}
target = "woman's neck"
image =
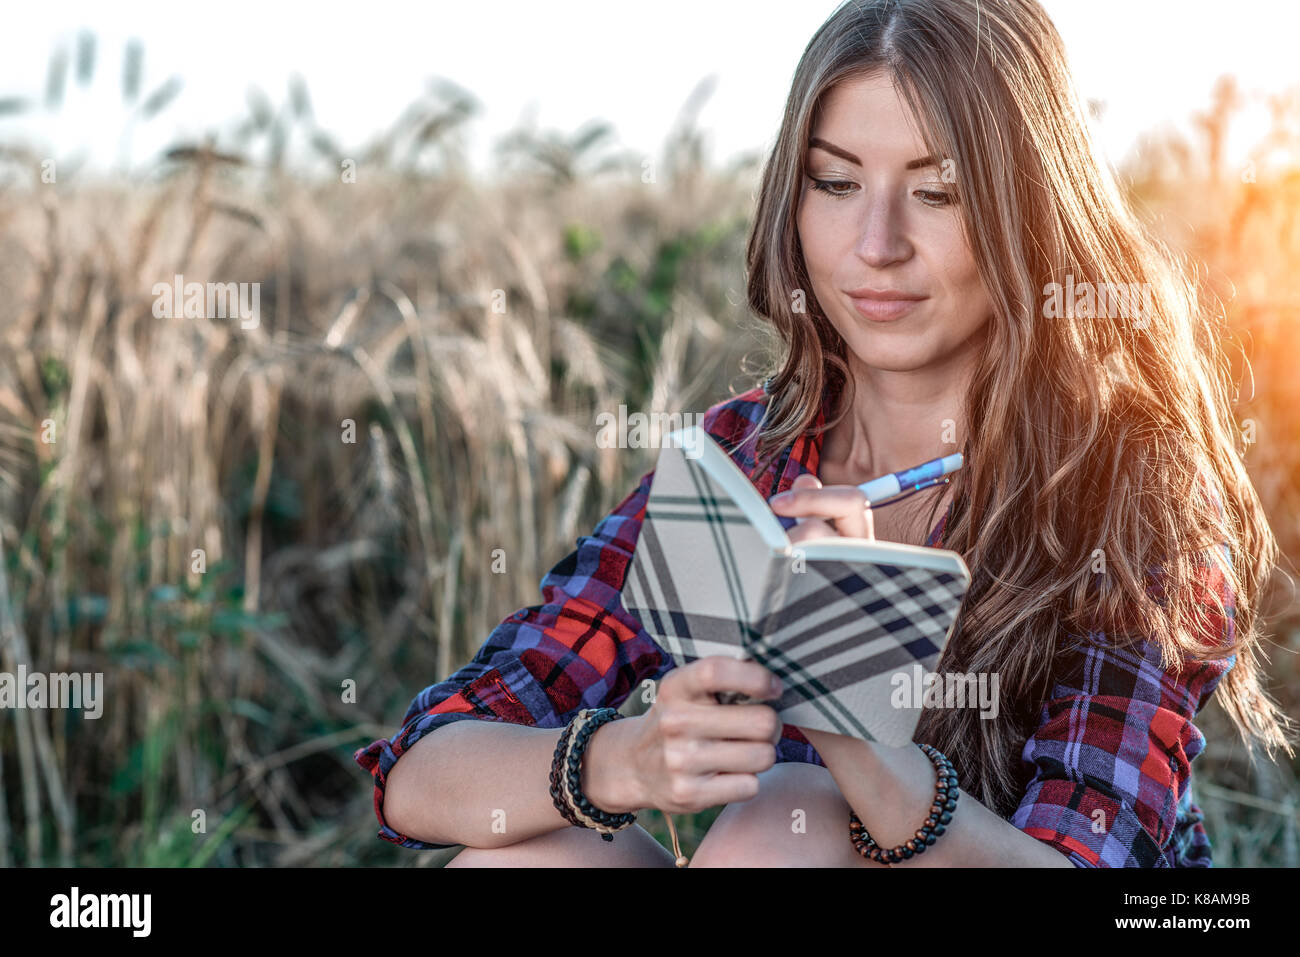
{"points": [[897, 420]]}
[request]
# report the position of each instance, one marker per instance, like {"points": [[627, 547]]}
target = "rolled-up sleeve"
{"points": [[1110, 761], [579, 649]]}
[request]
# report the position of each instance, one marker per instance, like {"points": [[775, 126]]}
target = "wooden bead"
{"points": [[946, 792]]}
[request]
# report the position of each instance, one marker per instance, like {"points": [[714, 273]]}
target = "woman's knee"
{"points": [[572, 847], [799, 818]]}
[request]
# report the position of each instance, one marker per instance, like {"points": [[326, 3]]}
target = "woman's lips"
{"points": [[884, 310]]}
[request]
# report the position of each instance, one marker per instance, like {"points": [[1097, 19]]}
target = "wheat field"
{"points": [[268, 539]]}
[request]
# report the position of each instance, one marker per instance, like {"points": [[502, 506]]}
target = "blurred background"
{"points": [[475, 228]]}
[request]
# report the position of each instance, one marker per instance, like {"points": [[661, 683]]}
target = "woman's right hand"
{"points": [[688, 752]]}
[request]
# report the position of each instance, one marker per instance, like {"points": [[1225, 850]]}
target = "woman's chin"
{"points": [[896, 360]]}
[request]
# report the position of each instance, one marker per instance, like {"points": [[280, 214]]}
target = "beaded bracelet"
{"points": [[606, 822], [566, 776], [579, 817], [559, 795], [590, 815], [945, 802]]}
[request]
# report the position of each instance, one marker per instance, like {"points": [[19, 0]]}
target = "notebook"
{"points": [[850, 625]]}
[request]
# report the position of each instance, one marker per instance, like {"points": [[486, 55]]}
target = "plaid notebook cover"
{"points": [[704, 581]]}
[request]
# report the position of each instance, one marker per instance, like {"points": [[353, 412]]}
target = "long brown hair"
{"points": [[1086, 435]]}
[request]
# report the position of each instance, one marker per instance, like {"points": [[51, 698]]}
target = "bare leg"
{"points": [[798, 819], [572, 847]]}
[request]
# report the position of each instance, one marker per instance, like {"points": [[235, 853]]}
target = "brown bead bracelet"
{"points": [[941, 811]]}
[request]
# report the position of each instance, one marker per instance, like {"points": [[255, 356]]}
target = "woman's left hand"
{"points": [[824, 511]]}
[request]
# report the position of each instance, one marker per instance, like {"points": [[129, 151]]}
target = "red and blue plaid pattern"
{"points": [[1109, 764]]}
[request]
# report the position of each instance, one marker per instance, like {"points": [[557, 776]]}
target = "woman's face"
{"points": [[882, 221]]}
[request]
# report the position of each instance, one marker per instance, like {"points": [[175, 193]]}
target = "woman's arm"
{"points": [[891, 790], [578, 649], [1109, 761], [486, 784], [1110, 758]]}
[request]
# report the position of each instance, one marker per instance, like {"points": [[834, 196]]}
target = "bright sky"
{"points": [[1152, 61]]}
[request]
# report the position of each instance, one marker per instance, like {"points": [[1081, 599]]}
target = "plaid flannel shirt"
{"points": [[1115, 736]]}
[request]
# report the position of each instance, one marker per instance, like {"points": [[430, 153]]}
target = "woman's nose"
{"points": [[880, 238]]}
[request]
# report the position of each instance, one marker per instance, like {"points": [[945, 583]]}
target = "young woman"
{"points": [[949, 266]]}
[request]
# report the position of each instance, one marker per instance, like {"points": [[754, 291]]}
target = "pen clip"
{"points": [[904, 493]]}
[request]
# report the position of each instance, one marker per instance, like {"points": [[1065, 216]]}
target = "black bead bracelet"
{"points": [[557, 786], [593, 720], [566, 775], [941, 811]]}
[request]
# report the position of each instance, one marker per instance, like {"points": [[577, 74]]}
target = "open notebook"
{"points": [[843, 621]]}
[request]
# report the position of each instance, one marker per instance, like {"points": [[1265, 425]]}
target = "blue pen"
{"points": [[918, 477]]}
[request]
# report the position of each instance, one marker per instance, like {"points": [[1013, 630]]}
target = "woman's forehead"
{"points": [[867, 116]]}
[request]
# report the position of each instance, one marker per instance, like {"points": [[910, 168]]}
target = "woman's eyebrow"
{"points": [[819, 143]]}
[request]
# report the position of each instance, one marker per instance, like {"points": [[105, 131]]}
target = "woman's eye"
{"points": [[827, 186], [935, 197], [841, 188]]}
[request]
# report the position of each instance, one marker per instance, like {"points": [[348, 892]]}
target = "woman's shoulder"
{"points": [[733, 420], [734, 424]]}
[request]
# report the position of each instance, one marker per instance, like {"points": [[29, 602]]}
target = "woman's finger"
{"points": [[805, 528], [859, 523], [844, 506], [829, 501], [812, 528]]}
